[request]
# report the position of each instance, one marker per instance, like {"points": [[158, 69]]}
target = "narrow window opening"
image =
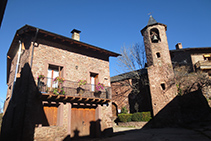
{"points": [[158, 54], [163, 87], [93, 80], [207, 57]]}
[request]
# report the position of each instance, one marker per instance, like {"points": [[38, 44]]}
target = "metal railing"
{"points": [[71, 88]]}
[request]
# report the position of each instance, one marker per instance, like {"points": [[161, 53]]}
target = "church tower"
{"points": [[160, 70]]}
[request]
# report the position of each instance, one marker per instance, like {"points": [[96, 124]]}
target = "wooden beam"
{"points": [[49, 96], [58, 96], [97, 100], [93, 100], [65, 98], [86, 99], [72, 98], [8, 57]]}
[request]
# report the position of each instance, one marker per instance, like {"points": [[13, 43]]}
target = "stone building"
{"points": [[195, 58], [160, 70], [39, 104]]}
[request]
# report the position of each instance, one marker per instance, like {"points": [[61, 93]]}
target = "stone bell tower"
{"points": [[160, 70]]}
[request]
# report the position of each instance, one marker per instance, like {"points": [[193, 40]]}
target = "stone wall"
{"points": [[68, 57], [132, 124], [120, 93], [106, 115], [160, 70]]}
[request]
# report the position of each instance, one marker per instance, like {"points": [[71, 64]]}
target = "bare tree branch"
{"points": [[132, 60]]}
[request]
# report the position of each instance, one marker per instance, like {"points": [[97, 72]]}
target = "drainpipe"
{"points": [[17, 65], [35, 38]]}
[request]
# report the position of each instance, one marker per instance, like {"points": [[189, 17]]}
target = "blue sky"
{"points": [[108, 24]]}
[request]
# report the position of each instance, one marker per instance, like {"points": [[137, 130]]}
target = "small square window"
{"points": [[158, 54]]}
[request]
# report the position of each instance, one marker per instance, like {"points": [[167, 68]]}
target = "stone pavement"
{"points": [[160, 134], [191, 132], [199, 131]]}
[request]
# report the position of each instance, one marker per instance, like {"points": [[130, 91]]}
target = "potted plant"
{"points": [[41, 77], [40, 83], [58, 91], [99, 87], [59, 79], [82, 82], [80, 90]]}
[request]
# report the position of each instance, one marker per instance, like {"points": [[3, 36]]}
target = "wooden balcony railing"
{"points": [[71, 88]]}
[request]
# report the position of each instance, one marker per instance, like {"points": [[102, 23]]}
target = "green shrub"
{"points": [[143, 116], [146, 116], [124, 110], [136, 116], [125, 117]]}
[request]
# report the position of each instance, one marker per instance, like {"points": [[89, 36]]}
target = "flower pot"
{"points": [[80, 91]]}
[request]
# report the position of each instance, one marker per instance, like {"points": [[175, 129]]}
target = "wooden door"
{"points": [[81, 120], [51, 115]]}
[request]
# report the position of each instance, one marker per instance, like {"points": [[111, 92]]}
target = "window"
{"points": [[53, 72], [207, 57], [163, 87], [94, 80], [158, 54]]}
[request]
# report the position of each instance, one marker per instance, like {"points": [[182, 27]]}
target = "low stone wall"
{"points": [[52, 133], [133, 124]]}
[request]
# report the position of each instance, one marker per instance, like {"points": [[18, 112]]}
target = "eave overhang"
{"points": [[74, 99], [60, 39]]}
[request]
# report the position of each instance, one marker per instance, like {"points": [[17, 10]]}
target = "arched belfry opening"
{"points": [[154, 35]]}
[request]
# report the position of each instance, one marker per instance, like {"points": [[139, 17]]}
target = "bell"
{"points": [[155, 38]]}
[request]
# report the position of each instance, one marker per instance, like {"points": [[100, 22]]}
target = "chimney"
{"points": [[178, 46], [76, 34]]}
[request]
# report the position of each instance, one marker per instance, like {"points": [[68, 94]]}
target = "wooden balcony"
{"points": [[70, 91], [204, 65]]}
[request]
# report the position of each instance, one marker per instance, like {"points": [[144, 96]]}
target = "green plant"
{"points": [[136, 116], [124, 110], [41, 76], [179, 90], [124, 117], [82, 82], [59, 80], [141, 116], [146, 116], [58, 91]]}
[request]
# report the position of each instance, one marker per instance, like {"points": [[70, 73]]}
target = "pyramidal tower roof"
{"points": [[151, 21]]}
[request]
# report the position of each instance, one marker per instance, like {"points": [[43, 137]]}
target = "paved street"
{"points": [[161, 134]]}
